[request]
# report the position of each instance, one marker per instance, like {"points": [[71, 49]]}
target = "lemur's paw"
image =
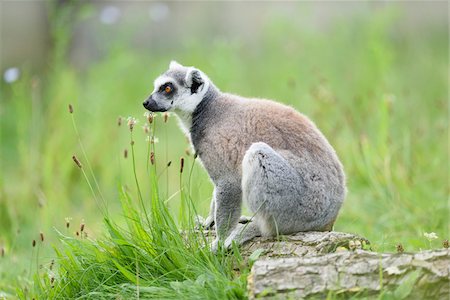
{"points": [[215, 246], [208, 223], [245, 219], [201, 223]]}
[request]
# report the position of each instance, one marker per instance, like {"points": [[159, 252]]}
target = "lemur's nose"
{"points": [[146, 102]]}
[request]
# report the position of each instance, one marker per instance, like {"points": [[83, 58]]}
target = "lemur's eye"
{"points": [[167, 89]]}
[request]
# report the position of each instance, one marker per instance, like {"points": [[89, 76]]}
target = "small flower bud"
{"points": [[41, 236], [77, 162], [169, 163], [70, 109], [445, 244], [33, 243], [166, 117], [125, 153], [187, 151], [82, 227], [400, 248], [119, 121]]}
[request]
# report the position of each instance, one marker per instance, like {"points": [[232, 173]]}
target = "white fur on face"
{"points": [[185, 105], [187, 102]]}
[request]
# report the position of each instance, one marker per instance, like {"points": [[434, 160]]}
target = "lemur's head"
{"points": [[178, 89]]}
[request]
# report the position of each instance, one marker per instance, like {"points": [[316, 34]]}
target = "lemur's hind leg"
{"points": [[272, 190]]}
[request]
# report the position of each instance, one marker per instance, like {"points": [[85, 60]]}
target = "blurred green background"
{"points": [[372, 76]]}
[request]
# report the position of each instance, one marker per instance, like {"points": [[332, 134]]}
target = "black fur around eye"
{"points": [[167, 88]]}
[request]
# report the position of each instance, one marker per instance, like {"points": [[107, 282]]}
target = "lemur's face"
{"points": [[178, 89]]}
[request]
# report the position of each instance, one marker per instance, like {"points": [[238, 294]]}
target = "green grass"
{"points": [[380, 95], [146, 257]]}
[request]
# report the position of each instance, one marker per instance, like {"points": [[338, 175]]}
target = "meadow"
{"points": [[111, 227]]}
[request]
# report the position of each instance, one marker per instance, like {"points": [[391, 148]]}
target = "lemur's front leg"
{"points": [[228, 200], [209, 222]]}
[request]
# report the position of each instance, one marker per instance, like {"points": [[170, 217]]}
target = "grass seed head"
{"points": [[119, 121], [181, 164], [400, 248], [131, 122], [146, 128], [149, 116], [33, 243], [70, 108], [67, 219], [125, 153], [166, 117], [445, 244], [77, 162], [152, 158], [41, 235], [169, 163], [82, 227]]}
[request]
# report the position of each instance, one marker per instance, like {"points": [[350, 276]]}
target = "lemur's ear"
{"points": [[174, 65], [194, 80]]}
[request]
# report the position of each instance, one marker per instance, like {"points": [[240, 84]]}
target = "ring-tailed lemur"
{"points": [[255, 151]]}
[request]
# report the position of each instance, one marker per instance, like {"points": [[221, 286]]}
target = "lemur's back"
{"points": [[233, 123]]}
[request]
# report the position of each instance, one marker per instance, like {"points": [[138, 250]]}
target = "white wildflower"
{"points": [[430, 236], [11, 75], [152, 139], [159, 12], [110, 14]]}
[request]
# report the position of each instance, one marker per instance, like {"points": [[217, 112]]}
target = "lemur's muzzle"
{"points": [[151, 105]]}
